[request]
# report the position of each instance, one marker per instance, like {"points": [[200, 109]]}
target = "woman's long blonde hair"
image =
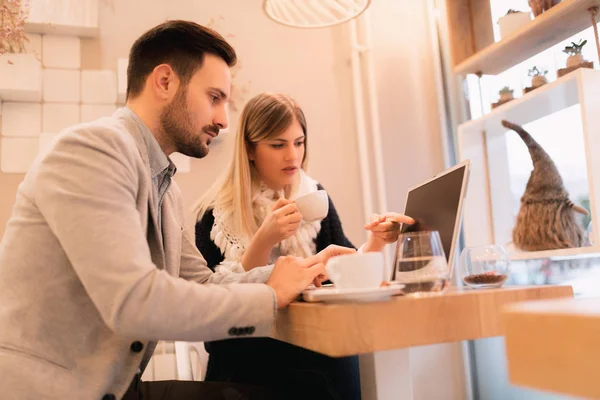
{"points": [[264, 117]]}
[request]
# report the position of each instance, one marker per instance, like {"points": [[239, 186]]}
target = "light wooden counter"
{"points": [[357, 328], [555, 346]]}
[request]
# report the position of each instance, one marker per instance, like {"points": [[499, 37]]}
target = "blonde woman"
{"points": [[249, 218]]}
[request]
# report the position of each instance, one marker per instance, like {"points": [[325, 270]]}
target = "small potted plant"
{"points": [[574, 52], [512, 21], [538, 77], [506, 94]]}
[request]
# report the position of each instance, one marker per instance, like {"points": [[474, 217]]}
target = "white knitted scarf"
{"points": [[233, 244]]}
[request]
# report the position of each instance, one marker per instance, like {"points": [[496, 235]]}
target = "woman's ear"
{"points": [[250, 150]]}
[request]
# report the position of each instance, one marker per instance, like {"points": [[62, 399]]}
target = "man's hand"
{"points": [[324, 255], [291, 275], [330, 251]]}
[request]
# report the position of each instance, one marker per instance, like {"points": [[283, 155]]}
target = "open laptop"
{"points": [[436, 205]]}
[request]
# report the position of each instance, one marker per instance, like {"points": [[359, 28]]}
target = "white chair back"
{"points": [[177, 361]]}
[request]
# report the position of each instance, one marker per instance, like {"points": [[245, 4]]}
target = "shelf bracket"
{"points": [[486, 165], [593, 12]]}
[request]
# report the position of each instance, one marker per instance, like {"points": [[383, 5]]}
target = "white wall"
{"points": [[412, 147]]}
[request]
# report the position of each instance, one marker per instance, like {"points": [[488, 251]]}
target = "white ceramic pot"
{"points": [[513, 22]]}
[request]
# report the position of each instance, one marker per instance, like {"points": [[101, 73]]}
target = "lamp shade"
{"points": [[314, 13]]}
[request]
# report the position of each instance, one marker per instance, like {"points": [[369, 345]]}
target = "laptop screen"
{"points": [[435, 206]]}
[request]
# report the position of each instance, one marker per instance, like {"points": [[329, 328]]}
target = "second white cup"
{"points": [[356, 271]]}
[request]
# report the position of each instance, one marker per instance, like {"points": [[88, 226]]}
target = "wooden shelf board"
{"points": [[553, 26], [553, 345]]}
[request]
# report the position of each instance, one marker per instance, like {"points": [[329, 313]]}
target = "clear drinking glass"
{"points": [[421, 263], [486, 266]]}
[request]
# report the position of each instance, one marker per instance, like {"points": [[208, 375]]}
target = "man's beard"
{"points": [[177, 125]]}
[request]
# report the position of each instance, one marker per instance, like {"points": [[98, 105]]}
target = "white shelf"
{"points": [[488, 216], [545, 100], [65, 17], [57, 29], [553, 26], [582, 252]]}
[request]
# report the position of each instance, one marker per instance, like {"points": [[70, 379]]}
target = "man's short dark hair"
{"points": [[181, 44]]}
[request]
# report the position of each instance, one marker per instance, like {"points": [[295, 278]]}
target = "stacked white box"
{"points": [[61, 86], [122, 64], [34, 44], [61, 52], [50, 72], [20, 77], [182, 162], [46, 141], [17, 154], [91, 112], [58, 116], [98, 87], [36, 10], [21, 119], [64, 16], [73, 12]]}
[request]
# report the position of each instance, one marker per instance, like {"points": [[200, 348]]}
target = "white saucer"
{"points": [[332, 294]]}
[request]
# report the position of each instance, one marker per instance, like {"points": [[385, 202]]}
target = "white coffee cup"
{"points": [[313, 206], [357, 270]]}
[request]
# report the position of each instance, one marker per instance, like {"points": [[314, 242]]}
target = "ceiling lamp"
{"points": [[314, 13]]}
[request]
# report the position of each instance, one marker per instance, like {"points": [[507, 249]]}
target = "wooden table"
{"points": [[388, 328], [554, 345]]}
